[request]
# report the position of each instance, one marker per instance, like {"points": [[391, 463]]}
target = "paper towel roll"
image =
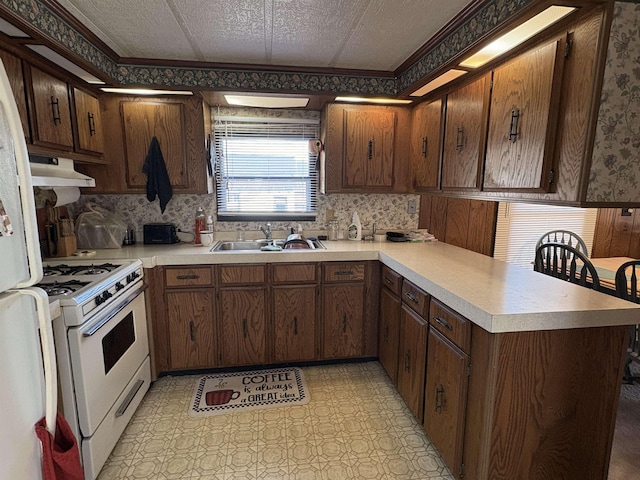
{"points": [[66, 195]]}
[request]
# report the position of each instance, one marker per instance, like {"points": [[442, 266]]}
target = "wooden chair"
{"points": [[566, 237], [566, 263], [627, 288]]}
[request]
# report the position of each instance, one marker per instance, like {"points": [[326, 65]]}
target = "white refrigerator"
{"points": [[28, 386]]}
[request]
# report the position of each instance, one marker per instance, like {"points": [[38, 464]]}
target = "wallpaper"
{"points": [[615, 168], [388, 212]]}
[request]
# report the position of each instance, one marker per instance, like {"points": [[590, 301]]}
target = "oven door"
{"points": [[106, 351]]}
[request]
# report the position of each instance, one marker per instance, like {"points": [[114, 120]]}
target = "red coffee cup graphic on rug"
{"points": [[221, 397]]}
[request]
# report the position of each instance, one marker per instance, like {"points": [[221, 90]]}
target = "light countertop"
{"points": [[495, 295]]}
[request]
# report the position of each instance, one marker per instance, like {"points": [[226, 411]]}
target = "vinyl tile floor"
{"points": [[356, 426]]}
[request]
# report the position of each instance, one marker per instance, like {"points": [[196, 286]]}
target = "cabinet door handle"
{"points": [[92, 124], [55, 110], [386, 334], [424, 147], [344, 323], [411, 297], [192, 331], [295, 325], [370, 150], [343, 272], [460, 139], [443, 322], [191, 276], [388, 280], [407, 361], [513, 127], [244, 328], [439, 398]]}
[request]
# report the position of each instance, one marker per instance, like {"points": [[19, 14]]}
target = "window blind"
{"points": [[265, 168], [520, 225]]}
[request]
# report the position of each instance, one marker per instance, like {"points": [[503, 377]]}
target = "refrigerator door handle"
{"points": [[48, 354]]}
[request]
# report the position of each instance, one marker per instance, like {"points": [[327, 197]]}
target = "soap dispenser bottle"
{"points": [[200, 225], [354, 232]]}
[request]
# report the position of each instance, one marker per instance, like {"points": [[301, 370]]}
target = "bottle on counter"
{"points": [[354, 232], [209, 223], [200, 225]]}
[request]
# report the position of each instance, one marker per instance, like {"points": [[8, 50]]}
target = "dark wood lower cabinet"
{"points": [[294, 323], [343, 306], [445, 398], [411, 359], [191, 334], [243, 325], [389, 332]]}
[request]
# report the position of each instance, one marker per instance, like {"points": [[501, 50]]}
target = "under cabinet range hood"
{"points": [[57, 172]]}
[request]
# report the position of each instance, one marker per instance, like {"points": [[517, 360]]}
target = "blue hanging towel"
{"points": [[157, 177]]}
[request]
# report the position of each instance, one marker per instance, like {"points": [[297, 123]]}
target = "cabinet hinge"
{"points": [[468, 369], [568, 46], [461, 474], [552, 177]]}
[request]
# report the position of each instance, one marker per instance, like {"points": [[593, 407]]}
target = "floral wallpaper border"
{"points": [[615, 167], [50, 25]]}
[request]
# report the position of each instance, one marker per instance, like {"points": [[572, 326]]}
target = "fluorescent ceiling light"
{"points": [[516, 36], [266, 101], [372, 100], [10, 29], [144, 91], [59, 60], [437, 82]]}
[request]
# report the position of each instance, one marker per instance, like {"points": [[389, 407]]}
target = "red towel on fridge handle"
{"points": [[60, 455]]}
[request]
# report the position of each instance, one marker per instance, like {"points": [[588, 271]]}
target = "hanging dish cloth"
{"points": [[157, 177], [60, 454]]}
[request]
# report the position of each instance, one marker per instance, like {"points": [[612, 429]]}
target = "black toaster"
{"points": [[160, 233]]}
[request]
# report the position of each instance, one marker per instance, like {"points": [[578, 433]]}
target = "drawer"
{"points": [[416, 298], [294, 272], [343, 271], [242, 274], [391, 280], [188, 277], [451, 324]]}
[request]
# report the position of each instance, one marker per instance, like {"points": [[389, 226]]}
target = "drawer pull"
{"points": [[386, 334], [388, 280], [411, 297], [370, 150], [439, 398], [192, 331], [343, 272], [55, 110], [244, 328], [443, 322], [191, 276], [407, 361], [424, 147], [295, 325], [129, 398], [513, 127], [460, 139], [344, 323]]}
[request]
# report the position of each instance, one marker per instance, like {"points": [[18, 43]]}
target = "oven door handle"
{"points": [[92, 329]]}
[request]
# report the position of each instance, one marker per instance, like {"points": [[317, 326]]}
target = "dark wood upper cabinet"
{"points": [[89, 122], [13, 67], [522, 122], [426, 145], [49, 111], [465, 127]]}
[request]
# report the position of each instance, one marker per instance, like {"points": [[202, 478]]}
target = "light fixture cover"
{"points": [[437, 82], [267, 101], [144, 91], [388, 101]]}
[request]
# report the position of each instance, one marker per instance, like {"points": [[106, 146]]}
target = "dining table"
{"points": [[606, 268]]}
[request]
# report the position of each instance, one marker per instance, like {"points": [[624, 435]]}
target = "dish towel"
{"points": [[60, 455], [157, 177]]}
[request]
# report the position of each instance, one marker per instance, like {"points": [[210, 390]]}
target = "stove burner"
{"points": [[94, 269], [62, 288]]}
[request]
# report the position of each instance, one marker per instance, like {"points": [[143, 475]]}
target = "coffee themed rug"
{"points": [[222, 393]]}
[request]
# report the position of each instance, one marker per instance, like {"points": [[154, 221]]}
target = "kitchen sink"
{"points": [[248, 245]]}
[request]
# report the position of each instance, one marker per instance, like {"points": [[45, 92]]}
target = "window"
{"points": [[520, 225], [264, 169]]}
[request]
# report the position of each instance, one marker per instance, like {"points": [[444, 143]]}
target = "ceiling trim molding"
{"points": [[66, 35]]}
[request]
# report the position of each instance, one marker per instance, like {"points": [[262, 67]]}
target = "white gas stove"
{"points": [[102, 349]]}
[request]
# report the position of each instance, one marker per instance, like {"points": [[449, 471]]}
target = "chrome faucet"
{"points": [[266, 231]]}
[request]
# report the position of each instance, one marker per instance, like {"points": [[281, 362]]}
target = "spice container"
{"points": [[200, 225]]}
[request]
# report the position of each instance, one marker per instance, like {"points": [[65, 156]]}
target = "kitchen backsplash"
{"points": [[388, 212]]}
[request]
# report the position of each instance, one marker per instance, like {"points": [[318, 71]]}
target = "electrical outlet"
{"points": [[411, 207], [329, 215]]}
